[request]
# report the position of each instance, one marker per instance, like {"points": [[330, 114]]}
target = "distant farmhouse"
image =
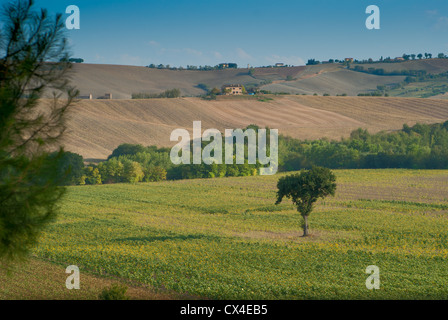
{"points": [[232, 89], [89, 96], [279, 64], [349, 60]]}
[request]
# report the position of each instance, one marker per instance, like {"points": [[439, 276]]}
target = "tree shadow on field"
{"points": [[180, 237]]}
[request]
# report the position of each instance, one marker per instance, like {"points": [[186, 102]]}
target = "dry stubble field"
{"points": [[96, 128]]}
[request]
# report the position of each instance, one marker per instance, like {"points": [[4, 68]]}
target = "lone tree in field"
{"points": [[33, 63], [305, 188]]}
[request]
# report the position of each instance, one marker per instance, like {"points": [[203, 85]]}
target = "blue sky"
{"points": [[255, 32]]}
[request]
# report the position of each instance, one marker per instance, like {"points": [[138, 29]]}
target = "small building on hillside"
{"points": [[85, 97], [279, 64], [108, 96], [399, 59], [232, 89], [349, 60]]}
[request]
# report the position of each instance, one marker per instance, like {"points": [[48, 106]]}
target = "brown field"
{"points": [[123, 81], [333, 81], [96, 127], [279, 73]]}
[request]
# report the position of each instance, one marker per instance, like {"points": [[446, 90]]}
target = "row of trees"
{"points": [[129, 163], [135, 163], [420, 56], [405, 56], [76, 60], [196, 68], [382, 72], [170, 93], [419, 147]]}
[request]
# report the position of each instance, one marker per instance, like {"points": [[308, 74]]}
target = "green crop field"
{"points": [[225, 238], [423, 89]]}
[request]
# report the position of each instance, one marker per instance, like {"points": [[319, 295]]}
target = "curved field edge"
{"points": [[224, 239]]}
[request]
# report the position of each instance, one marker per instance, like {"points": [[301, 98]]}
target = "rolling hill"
{"points": [[433, 66], [123, 81], [339, 81], [96, 127]]}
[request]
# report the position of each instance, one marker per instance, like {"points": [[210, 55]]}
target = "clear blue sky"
{"points": [[255, 32]]}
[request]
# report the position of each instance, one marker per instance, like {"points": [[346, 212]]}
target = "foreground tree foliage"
{"points": [[33, 63], [305, 188], [70, 167]]}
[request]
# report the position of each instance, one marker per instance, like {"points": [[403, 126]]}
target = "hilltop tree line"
{"points": [[189, 67], [405, 57]]}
